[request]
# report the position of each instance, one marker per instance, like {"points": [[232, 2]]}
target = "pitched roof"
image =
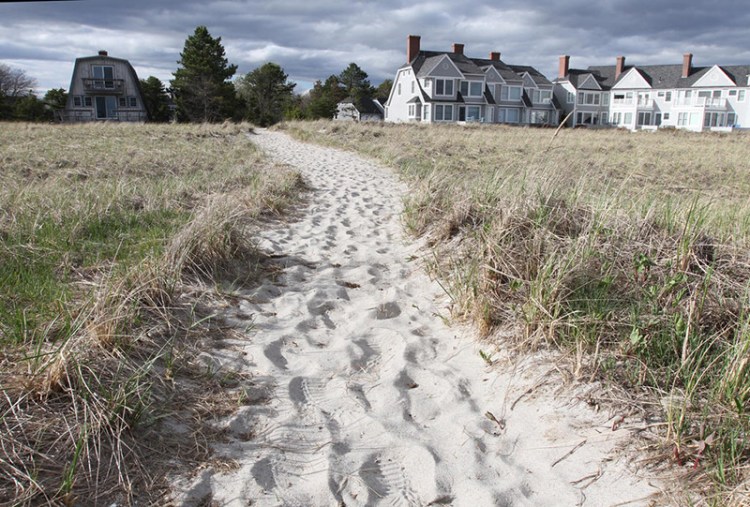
{"points": [[664, 76], [534, 74], [364, 105], [504, 70], [426, 61]]}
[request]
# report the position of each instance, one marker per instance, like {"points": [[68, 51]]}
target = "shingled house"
{"points": [[104, 88], [363, 109], [651, 96], [447, 86]]}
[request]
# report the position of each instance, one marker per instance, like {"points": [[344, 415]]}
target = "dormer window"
{"points": [[444, 87], [471, 88]]}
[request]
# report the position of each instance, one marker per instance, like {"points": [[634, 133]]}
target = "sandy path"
{"points": [[374, 400]]}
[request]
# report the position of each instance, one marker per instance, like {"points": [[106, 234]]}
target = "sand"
{"points": [[371, 396]]}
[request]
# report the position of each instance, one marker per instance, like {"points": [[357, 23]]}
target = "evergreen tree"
{"points": [[354, 81], [266, 93], [30, 108], [56, 98], [324, 97], [383, 91], [201, 83], [156, 99]]}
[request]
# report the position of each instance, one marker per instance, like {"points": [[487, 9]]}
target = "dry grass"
{"points": [[112, 238], [628, 251]]}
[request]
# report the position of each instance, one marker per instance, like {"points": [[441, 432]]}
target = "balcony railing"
{"points": [[645, 104], [72, 116], [702, 102], [103, 85]]}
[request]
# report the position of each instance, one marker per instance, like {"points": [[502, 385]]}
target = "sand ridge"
{"points": [[372, 398]]}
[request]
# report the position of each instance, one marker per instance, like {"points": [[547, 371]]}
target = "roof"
{"points": [[504, 70], [660, 76], [426, 61], [364, 105]]}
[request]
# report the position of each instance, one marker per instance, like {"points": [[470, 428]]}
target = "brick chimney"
{"points": [[102, 52], [495, 56], [687, 62], [620, 66], [458, 48], [564, 66], [412, 47]]}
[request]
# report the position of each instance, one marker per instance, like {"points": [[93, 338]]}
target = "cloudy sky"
{"points": [[312, 39]]}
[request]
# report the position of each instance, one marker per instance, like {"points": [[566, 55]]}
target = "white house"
{"points": [[104, 88], [447, 86], [654, 96]]}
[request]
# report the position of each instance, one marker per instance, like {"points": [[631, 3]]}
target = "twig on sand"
{"points": [[567, 454], [591, 478]]}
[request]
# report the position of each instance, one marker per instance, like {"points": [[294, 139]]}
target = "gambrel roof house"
{"points": [[652, 96], [364, 109], [104, 88], [448, 86]]}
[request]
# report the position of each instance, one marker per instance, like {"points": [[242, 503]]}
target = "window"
{"points": [[604, 118], [510, 93], [426, 83], [132, 102], [713, 120], [731, 119], [660, 94], [471, 88], [541, 96], [77, 101], [87, 101], [399, 88], [509, 115], [616, 118], [412, 86], [732, 93], [571, 98], [412, 110], [741, 95], [628, 118], [682, 119], [443, 87], [473, 113], [426, 113], [104, 76], [644, 118], [443, 112], [605, 99], [668, 97], [666, 116], [123, 102]]}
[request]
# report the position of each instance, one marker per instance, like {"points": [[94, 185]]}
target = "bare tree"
{"points": [[14, 82]]}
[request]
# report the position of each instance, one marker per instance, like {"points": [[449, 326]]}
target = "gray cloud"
{"points": [[312, 39]]}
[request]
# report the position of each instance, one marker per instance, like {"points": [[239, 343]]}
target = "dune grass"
{"points": [[628, 251], [112, 238]]}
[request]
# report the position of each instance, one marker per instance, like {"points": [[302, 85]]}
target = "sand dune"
{"points": [[371, 398]]}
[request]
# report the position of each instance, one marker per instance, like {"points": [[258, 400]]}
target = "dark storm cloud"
{"points": [[312, 39]]}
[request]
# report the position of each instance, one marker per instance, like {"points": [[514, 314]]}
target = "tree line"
{"points": [[203, 90]]}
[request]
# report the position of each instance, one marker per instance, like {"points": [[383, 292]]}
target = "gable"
{"points": [[715, 77], [590, 83], [528, 82], [631, 79], [445, 68], [493, 76]]}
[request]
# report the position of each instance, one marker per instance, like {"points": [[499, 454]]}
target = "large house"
{"points": [[104, 88], [447, 86], [654, 96]]}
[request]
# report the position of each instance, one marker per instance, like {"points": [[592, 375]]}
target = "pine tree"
{"points": [[156, 99], [266, 93], [201, 83], [354, 81]]}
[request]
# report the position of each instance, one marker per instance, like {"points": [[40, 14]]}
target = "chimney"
{"points": [[495, 56], [564, 65], [458, 48], [412, 47], [620, 66], [687, 62], [102, 52]]}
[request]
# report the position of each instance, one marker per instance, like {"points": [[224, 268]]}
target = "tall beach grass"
{"points": [[112, 239]]}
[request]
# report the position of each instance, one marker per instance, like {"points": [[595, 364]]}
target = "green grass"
{"points": [[628, 251]]}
